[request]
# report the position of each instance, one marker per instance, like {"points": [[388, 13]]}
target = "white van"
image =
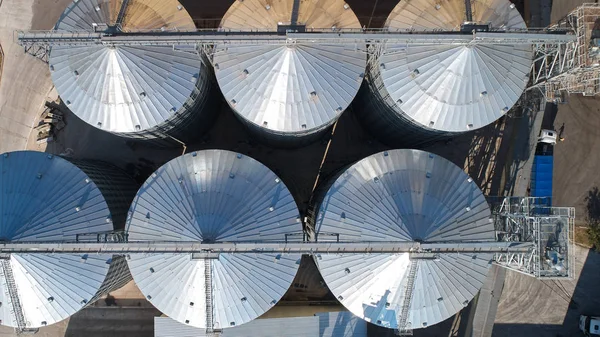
{"points": [[590, 325]]}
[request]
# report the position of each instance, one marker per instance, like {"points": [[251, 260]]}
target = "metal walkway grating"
{"points": [[13, 294], [408, 293]]}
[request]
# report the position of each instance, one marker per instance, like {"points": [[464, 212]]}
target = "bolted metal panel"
{"points": [[118, 188], [118, 276], [134, 91], [47, 198], [425, 92], [404, 195], [289, 93], [213, 196]]}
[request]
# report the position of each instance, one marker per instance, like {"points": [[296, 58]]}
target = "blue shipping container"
{"points": [[541, 176]]}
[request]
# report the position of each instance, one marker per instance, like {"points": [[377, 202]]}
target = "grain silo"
{"points": [[47, 198], [289, 94], [404, 195], [213, 196], [146, 92], [421, 93]]}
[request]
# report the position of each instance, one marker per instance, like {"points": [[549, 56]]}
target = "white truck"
{"points": [[590, 325]]}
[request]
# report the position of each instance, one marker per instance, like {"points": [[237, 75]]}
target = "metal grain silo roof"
{"points": [[291, 90], [130, 90], [213, 196], [47, 198], [443, 88], [404, 195]]}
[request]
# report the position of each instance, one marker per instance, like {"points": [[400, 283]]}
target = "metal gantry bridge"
{"points": [[531, 237], [566, 55]]}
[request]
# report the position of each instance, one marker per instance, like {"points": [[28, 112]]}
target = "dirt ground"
{"points": [[550, 308]]}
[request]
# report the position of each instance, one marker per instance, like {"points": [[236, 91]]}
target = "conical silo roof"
{"points": [[213, 196], [296, 89], [47, 198], [127, 89], [445, 88], [404, 195]]}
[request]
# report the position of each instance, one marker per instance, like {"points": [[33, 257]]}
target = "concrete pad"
{"points": [[532, 307], [25, 79], [577, 158]]}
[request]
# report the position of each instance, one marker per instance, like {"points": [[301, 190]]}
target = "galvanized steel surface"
{"points": [[447, 89], [323, 324], [43, 198], [296, 89], [404, 195], [126, 89], [373, 286], [210, 196]]}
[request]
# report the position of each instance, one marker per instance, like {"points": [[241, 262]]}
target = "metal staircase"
{"points": [[408, 293], [209, 296], [14, 296], [122, 11], [468, 11]]}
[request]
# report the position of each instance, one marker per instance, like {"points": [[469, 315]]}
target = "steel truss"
{"points": [[418, 250], [531, 238], [571, 68], [39, 43], [547, 228]]}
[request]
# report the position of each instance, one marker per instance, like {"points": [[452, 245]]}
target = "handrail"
{"points": [[325, 247]]}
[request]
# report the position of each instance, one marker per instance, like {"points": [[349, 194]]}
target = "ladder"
{"points": [[14, 295], [408, 292], [122, 11], [468, 11], [209, 295]]}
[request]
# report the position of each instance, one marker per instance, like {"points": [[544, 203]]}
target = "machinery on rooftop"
{"points": [[548, 229]]}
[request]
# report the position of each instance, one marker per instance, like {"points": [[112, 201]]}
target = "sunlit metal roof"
{"points": [[126, 89], [404, 195], [448, 88], [294, 89], [46, 198], [213, 196], [322, 324]]}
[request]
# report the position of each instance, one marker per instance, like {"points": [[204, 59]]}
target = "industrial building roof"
{"points": [[46, 198], [453, 88], [299, 88], [404, 195], [323, 324], [213, 196], [124, 89]]}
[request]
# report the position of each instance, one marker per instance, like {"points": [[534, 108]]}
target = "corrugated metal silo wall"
{"points": [[118, 189], [193, 119], [317, 198], [284, 140], [380, 115], [118, 275]]}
